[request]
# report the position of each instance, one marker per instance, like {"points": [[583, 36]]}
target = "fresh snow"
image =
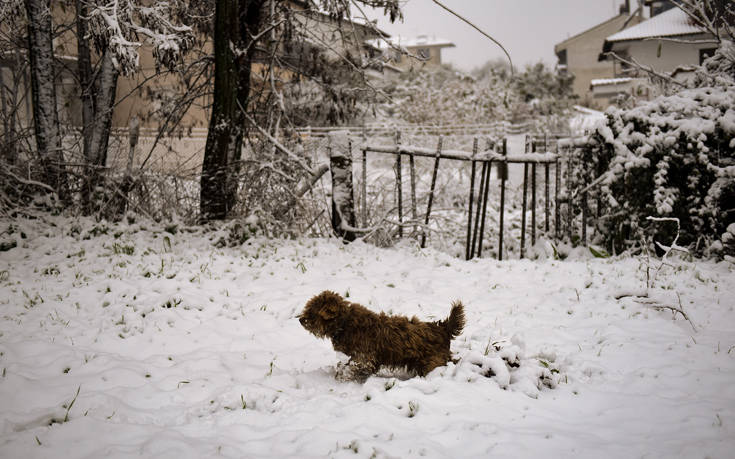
{"points": [[181, 346]]}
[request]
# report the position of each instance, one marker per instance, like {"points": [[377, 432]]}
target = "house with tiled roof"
{"points": [[665, 43], [577, 55], [404, 53]]}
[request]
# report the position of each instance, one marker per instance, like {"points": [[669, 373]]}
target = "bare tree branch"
{"points": [[633, 63], [297, 159], [479, 30]]}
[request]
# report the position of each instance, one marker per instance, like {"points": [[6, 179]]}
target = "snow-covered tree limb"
{"points": [[123, 26], [507, 54], [646, 68]]}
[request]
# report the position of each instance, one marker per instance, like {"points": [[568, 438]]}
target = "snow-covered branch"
{"points": [[646, 68], [123, 26], [507, 54], [715, 16]]}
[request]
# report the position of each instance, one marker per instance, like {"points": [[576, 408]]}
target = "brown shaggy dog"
{"points": [[372, 340]]}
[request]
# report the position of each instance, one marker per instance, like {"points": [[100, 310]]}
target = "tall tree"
{"points": [[113, 32], [237, 24], [43, 89], [97, 90], [271, 33]]}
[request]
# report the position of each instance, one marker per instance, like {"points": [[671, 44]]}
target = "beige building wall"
{"points": [[583, 50], [665, 55], [432, 54]]}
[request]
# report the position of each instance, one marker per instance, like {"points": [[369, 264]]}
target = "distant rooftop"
{"points": [[411, 42], [606, 81], [562, 45], [673, 22]]}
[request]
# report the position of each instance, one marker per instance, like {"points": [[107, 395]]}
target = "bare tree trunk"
{"points": [[98, 90], [86, 77], [105, 87], [45, 114], [7, 140], [224, 137], [236, 22]]}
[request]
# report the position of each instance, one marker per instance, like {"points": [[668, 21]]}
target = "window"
{"points": [[562, 57], [659, 6], [424, 53], [705, 53]]}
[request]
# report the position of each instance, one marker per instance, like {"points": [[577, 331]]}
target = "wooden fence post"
{"points": [[343, 205], [431, 191]]}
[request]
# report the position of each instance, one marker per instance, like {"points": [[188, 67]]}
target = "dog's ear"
{"points": [[329, 310]]}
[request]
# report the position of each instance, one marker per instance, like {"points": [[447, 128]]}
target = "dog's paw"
{"points": [[351, 371], [342, 372]]}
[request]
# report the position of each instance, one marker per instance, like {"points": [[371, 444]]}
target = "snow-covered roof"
{"points": [[670, 23], [563, 44], [411, 42], [604, 81]]}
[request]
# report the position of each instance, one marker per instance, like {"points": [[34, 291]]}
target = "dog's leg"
{"points": [[430, 363], [356, 370]]}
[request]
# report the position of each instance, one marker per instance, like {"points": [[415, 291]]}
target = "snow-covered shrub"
{"points": [[728, 243], [718, 70], [673, 157]]}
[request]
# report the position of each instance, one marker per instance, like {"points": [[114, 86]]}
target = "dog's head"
{"points": [[320, 312]]}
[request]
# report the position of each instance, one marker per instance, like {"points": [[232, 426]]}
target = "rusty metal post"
{"points": [[584, 213], [557, 183], [533, 204], [364, 189], [523, 212], [431, 191], [484, 208], [546, 199], [412, 167], [570, 210], [503, 172], [399, 184], [468, 249], [480, 194]]}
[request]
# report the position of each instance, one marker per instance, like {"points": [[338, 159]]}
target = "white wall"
{"points": [[672, 54]]}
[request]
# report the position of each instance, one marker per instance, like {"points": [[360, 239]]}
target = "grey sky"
{"points": [[528, 29]]}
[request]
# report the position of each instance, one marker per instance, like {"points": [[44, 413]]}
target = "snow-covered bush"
{"points": [[673, 157], [728, 243]]}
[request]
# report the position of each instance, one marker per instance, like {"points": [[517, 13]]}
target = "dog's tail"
{"points": [[455, 322]]}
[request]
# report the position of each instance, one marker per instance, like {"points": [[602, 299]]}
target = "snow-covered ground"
{"points": [[171, 345]]}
